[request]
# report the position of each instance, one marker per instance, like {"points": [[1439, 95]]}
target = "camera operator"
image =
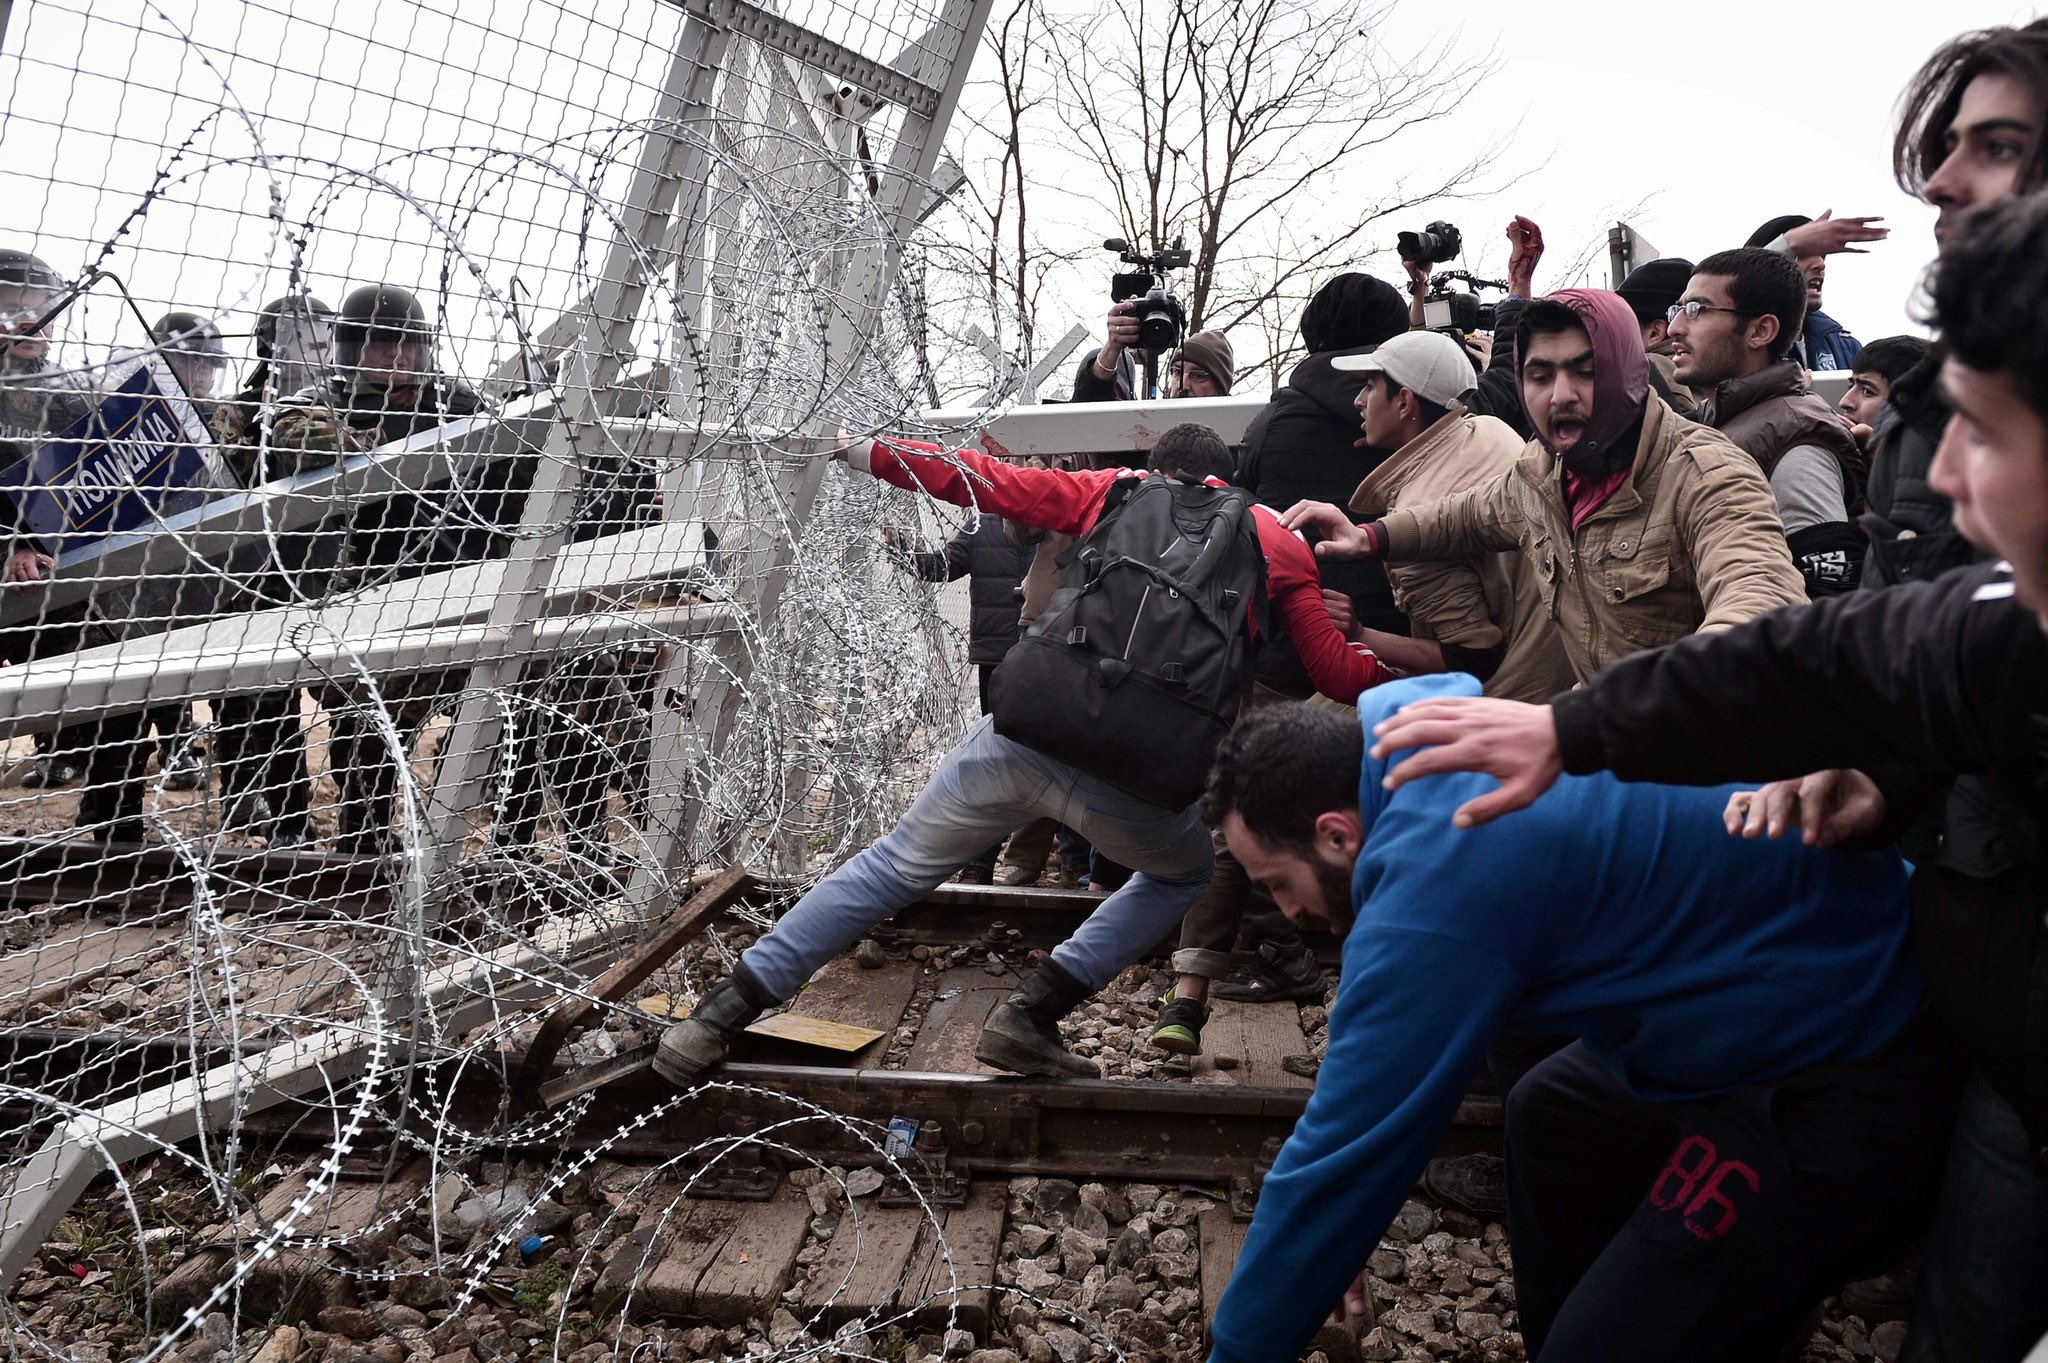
{"points": [[1498, 394], [1203, 367]]}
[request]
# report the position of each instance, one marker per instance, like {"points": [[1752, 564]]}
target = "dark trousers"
{"points": [[260, 750], [1983, 1293], [1707, 1230]]}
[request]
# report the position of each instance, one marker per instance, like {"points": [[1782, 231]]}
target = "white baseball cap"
{"points": [[1428, 363]]}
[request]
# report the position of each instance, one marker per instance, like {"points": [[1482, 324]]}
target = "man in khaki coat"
{"points": [[1634, 526], [1467, 615]]}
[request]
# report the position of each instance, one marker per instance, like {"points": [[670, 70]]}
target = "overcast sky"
{"points": [[1728, 114]]}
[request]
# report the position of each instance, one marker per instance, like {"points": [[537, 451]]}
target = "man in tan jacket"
{"points": [[1467, 615], [1634, 526]]}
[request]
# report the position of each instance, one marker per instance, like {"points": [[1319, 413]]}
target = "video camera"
{"points": [[1455, 312], [1160, 317]]}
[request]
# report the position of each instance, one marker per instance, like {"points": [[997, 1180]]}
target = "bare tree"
{"points": [[1267, 131]]}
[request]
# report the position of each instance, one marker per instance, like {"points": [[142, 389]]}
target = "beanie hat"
{"points": [[1652, 288], [1353, 310], [1775, 228], [1211, 350]]}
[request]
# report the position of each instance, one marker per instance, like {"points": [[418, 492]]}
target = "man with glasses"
{"points": [[1731, 337]]}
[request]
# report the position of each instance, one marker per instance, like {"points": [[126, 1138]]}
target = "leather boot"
{"points": [[1023, 1034], [701, 1040]]}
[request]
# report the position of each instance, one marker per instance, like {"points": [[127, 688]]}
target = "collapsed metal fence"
{"points": [[331, 751]]}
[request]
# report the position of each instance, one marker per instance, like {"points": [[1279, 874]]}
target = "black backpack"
{"points": [[1136, 670]]}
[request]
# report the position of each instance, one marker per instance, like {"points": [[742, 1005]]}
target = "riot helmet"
{"points": [[294, 344], [28, 290], [381, 339], [192, 347]]}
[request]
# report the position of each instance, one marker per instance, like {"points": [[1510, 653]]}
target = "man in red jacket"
{"points": [[989, 784]]}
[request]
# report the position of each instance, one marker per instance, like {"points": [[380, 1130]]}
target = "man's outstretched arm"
{"points": [[1050, 499], [1925, 674]]}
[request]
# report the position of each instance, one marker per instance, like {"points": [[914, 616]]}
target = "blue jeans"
{"points": [[986, 787], [1983, 1292]]}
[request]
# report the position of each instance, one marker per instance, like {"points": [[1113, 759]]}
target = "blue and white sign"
{"points": [[143, 454]]}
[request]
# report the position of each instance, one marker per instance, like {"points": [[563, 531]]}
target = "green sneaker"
{"points": [[1180, 1026]]}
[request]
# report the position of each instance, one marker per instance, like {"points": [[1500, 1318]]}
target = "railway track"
{"points": [[915, 998]]}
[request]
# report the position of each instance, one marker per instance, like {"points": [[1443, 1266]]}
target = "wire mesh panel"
{"points": [[421, 564]]}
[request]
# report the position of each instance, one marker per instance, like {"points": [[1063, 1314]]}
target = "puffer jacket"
{"points": [[1775, 410], [1300, 447], [994, 564], [1912, 532], [1691, 542], [1477, 604]]}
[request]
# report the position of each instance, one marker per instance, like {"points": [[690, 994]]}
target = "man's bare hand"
{"points": [[1342, 614], [1358, 1296], [1340, 538], [1479, 345], [1512, 742], [1828, 235], [1828, 807], [26, 565], [1122, 335], [1525, 251]]}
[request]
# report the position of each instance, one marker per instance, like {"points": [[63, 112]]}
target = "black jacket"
{"points": [[1926, 681], [1912, 534], [994, 566], [1299, 447], [1122, 388]]}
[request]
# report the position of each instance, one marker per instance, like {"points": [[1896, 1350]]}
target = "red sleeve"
{"points": [[1339, 668], [1050, 499]]}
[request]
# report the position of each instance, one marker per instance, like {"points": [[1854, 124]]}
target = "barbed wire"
{"points": [[306, 599]]}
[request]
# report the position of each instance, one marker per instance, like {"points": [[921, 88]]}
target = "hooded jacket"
{"points": [[1477, 604], [1301, 447], [1690, 539], [1688, 966]]}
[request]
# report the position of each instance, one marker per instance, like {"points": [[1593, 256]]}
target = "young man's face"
{"points": [[1989, 143], [1815, 269], [1715, 346], [1993, 462], [1313, 888], [1379, 413], [1557, 386], [1867, 395]]}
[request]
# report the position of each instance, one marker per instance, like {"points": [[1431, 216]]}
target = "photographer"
{"points": [[1498, 395]]}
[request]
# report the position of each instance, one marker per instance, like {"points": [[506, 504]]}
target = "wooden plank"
{"points": [[864, 1263], [843, 992], [1256, 1036], [952, 1029], [725, 1261], [810, 1031], [756, 1263], [963, 1290], [1221, 1237], [51, 969]]}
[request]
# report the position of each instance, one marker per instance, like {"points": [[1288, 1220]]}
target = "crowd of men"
{"points": [[1756, 1044], [1447, 656]]}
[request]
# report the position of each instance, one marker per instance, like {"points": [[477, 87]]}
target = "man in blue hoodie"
{"points": [[1755, 1107]]}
